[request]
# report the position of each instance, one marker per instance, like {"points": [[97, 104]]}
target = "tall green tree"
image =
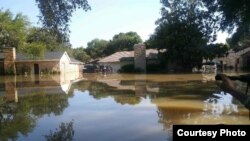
{"points": [[80, 54], [96, 48], [214, 50], [12, 29], [233, 16], [34, 50], [43, 36], [123, 42], [56, 14], [184, 29]]}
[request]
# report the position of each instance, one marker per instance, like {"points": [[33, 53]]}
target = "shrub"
{"points": [[130, 69]]}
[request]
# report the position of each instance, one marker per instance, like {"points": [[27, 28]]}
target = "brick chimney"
{"points": [[9, 60], [140, 56]]}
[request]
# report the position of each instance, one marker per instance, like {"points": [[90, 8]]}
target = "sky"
{"points": [[105, 19]]}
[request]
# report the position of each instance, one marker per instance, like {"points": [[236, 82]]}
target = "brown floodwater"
{"points": [[124, 107]]}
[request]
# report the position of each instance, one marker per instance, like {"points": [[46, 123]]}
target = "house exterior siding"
{"points": [[44, 67], [237, 60], [53, 62]]}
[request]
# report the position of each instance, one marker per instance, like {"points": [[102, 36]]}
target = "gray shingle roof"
{"points": [[128, 56], [73, 60], [47, 56], [116, 57]]}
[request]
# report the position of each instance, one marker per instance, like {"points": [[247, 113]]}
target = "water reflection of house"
{"points": [[51, 62], [14, 86]]}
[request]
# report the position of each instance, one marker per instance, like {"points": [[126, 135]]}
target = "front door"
{"points": [[36, 68]]}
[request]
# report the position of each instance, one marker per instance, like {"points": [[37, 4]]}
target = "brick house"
{"points": [[140, 57], [237, 60], [52, 62]]}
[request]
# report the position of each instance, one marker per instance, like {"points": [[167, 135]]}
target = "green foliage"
{"points": [[44, 36], [49, 38], [184, 29], [56, 14], [34, 50], [20, 118], [12, 29], [123, 42], [154, 68], [130, 68], [65, 133], [233, 14], [96, 48], [10, 71], [215, 50], [80, 54], [240, 39], [120, 42]]}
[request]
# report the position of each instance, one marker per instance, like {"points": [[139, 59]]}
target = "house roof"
{"points": [[116, 57], [128, 56], [75, 61], [47, 56]]}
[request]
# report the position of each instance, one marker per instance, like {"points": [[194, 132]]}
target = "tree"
{"points": [[80, 54], [56, 14], [123, 42], [12, 29], [34, 50], [184, 29], [96, 48], [232, 14], [43, 36], [214, 50]]}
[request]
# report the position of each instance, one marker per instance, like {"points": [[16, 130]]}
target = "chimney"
{"points": [[9, 60], [140, 57]]}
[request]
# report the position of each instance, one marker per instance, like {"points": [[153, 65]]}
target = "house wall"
{"points": [[67, 67], [44, 67], [245, 61], [237, 60]]}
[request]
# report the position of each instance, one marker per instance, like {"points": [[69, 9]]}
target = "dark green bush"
{"points": [[130, 68]]}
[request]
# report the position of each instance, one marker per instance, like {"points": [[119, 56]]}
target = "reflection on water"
{"points": [[112, 107], [221, 103], [64, 133]]}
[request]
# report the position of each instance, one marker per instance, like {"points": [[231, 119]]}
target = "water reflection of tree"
{"points": [[101, 90], [21, 117], [173, 113], [64, 133], [196, 105], [186, 89]]}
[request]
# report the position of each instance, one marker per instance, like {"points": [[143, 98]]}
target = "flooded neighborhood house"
{"points": [[236, 59], [51, 62], [140, 57]]}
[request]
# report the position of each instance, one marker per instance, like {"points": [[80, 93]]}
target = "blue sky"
{"points": [[107, 18]]}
